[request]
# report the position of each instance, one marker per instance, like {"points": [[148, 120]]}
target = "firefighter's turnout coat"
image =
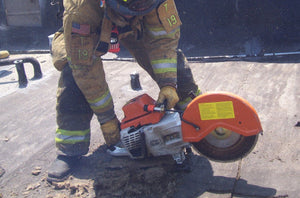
{"points": [[77, 49]]}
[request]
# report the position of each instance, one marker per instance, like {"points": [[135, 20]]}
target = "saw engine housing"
{"points": [[162, 138], [152, 133]]}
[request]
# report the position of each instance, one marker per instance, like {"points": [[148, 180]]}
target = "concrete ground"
{"points": [[272, 169]]}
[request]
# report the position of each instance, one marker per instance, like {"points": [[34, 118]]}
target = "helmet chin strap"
{"points": [[126, 11]]}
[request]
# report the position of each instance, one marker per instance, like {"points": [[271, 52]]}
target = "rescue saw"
{"points": [[221, 126]]}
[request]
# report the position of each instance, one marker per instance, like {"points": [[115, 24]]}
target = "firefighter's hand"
{"points": [[111, 131], [169, 94]]}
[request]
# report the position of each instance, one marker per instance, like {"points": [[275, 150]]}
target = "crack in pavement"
{"points": [[245, 78], [2, 171], [237, 177]]}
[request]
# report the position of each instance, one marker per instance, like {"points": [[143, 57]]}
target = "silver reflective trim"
{"points": [[102, 101], [75, 138], [162, 32], [158, 33], [164, 65]]}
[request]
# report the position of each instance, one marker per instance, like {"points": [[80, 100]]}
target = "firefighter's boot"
{"points": [[61, 168]]}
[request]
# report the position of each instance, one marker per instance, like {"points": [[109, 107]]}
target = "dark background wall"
{"points": [[210, 27], [20, 38], [239, 26]]}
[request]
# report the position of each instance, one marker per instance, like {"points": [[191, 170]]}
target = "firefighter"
{"points": [[150, 30]]}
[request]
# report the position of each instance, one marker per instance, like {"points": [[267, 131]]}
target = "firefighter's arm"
{"points": [[162, 33], [83, 47]]}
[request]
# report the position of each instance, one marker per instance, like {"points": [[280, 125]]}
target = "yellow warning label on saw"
{"points": [[216, 110]]}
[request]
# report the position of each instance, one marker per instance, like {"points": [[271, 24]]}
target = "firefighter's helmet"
{"points": [[133, 7]]}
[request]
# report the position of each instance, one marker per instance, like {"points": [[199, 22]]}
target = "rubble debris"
{"points": [[61, 185], [37, 170], [5, 139], [75, 187], [33, 186]]}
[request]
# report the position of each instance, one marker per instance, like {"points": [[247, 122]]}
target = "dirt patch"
{"points": [[124, 177], [100, 175], [135, 182]]}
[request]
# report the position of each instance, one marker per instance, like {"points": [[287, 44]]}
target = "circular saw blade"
{"points": [[224, 145]]}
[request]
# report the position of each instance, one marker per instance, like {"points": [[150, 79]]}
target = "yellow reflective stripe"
{"points": [[159, 61], [155, 29], [102, 101], [198, 92], [73, 133], [189, 99], [183, 103], [72, 137], [164, 70], [69, 141]]}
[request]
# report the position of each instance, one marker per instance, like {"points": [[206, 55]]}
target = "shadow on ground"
{"points": [[158, 177]]}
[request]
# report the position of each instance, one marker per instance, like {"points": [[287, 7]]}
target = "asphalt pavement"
{"points": [[272, 169]]}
